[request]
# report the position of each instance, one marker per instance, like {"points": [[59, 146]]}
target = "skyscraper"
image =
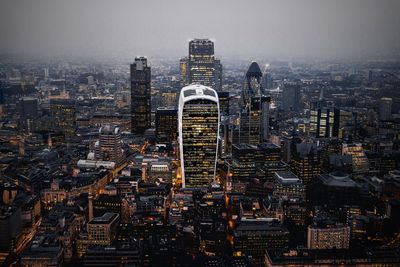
{"points": [[110, 143], [324, 119], [201, 66], [291, 97], [140, 95], [268, 80], [198, 117], [385, 108], [28, 112], [184, 71], [253, 116], [63, 111], [166, 123]]}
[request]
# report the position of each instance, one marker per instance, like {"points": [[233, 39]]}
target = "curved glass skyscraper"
{"points": [[254, 113], [198, 117]]}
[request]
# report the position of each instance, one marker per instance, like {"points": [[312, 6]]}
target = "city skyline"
{"points": [[275, 29], [269, 138]]}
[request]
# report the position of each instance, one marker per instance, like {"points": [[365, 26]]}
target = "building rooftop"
{"points": [[337, 178], [107, 218], [286, 177]]}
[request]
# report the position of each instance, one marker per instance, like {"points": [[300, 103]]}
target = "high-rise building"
{"points": [[198, 117], [201, 67], [328, 236], [184, 71], [167, 123], [250, 162], [110, 146], [140, 95], [268, 81], [218, 74], [254, 113], [28, 107], [305, 162], [324, 119], [288, 186], [385, 108], [28, 112], [253, 236], [246, 160], [169, 98], [359, 159], [224, 103], [102, 230], [63, 112], [291, 97]]}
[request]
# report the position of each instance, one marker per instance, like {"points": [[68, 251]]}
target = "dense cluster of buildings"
{"points": [[189, 163]]}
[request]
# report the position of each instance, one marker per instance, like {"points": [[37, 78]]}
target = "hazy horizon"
{"points": [[349, 29]]}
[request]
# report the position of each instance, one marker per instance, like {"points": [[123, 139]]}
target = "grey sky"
{"points": [[246, 28]]}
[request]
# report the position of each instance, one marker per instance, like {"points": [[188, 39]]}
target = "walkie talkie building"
{"points": [[198, 117]]}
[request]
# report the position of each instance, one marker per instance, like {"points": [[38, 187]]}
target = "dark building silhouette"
{"points": [[140, 95], [167, 123], [291, 97], [63, 111]]}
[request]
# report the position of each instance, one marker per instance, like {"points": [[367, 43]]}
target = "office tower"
{"points": [[140, 95], [250, 162], [268, 81], [359, 159], [63, 113], [169, 98], [184, 71], [324, 119], [347, 121], [288, 186], [102, 230], [253, 236], [223, 98], [46, 73], [110, 144], [271, 160], [337, 189], [328, 236], [28, 112], [203, 67], [291, 97], [246, 160], [253, 115], [28, 107], [305, 162], [167, 123], [198, 116], [385, 108], [218, 74], [103, 204]]}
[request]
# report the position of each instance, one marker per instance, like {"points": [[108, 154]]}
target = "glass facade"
{"points": [[253, 116], [203, 67], [198, 135]]}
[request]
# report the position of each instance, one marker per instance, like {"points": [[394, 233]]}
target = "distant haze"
{"points": [[240, 28]]}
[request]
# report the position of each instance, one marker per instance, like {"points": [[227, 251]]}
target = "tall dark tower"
{"points": [[140, 96]]}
